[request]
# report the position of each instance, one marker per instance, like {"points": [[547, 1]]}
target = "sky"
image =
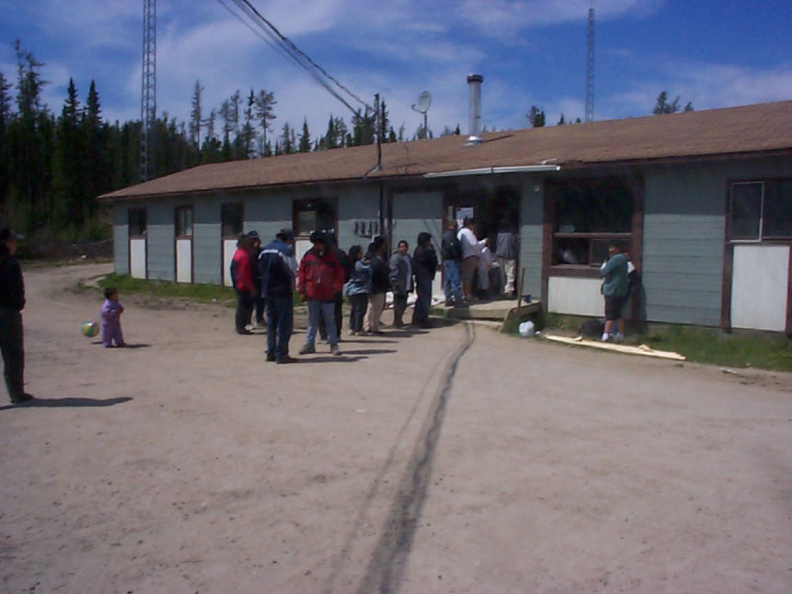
{"points": [[714, 53]]}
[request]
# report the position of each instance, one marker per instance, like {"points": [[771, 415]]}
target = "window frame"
{"points": [[137, 211], [223, 224], [177, 222], [630, 239], [309, 204], [767, 183]]}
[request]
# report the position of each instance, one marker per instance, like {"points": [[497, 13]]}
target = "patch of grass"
{"points": [[127, 285], [706, 345]]}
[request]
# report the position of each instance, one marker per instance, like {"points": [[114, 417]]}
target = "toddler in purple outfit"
{"points": [[111, 319]]}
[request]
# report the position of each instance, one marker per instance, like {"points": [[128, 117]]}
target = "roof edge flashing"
{"points": [[493, 171]]}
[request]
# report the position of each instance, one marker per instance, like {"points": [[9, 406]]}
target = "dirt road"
{"points": [[457, 460]]}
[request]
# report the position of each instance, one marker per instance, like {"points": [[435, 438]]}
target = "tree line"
{"points": [[54, 165]]}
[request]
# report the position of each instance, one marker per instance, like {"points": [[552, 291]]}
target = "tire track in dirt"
{"points": [[390, 557]]}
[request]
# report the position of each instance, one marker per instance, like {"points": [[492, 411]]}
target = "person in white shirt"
{"points": [[471, 251]]}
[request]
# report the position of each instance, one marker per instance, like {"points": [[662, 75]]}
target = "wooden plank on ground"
{"points": [[642, 350]]}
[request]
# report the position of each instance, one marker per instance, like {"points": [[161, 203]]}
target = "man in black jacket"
{"points": [[425, 263], [12, 302]]}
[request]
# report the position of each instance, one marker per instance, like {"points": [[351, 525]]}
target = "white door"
{"points": [[229, 247], [184, 260], [760, 287], [137, 258]]}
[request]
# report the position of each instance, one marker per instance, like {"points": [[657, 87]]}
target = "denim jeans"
{"points": [[452, 281], [280, 323], [318, 312], [423, 289]]}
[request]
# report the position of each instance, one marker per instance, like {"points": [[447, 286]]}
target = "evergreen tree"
{"points": [[196, 115], [95, 138], [664, 106], [536, 117], [69, 164], [561, 120], [287, 140], [304, 145], [5, 120], [265, 104]]}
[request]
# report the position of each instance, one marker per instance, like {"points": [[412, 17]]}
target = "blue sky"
{"points": [[715, 53]]}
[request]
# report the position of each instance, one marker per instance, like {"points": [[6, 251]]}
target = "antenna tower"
{"points": [[590, 67], [148, 99]]}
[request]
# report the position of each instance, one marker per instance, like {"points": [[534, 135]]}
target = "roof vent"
{"points": [[474, 82]]}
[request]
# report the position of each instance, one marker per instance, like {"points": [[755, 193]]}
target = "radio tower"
{"points": [[148, 99], [590, 67]]}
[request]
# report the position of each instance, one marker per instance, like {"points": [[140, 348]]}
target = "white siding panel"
{"points": [[575, 296], [229, 247], [760, 285], [184, 260], [137, 258]]}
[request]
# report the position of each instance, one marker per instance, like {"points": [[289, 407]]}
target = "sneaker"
{"points": [[605, 337], [335, 350], [307, 349], [618, 337], [270, 358], [245, 332], [352, 333], [286, 360]]}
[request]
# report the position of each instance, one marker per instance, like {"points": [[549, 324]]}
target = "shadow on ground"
{"points": [[68, 403]]}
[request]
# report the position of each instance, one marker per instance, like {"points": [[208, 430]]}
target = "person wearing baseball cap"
{"points": [[278, 268], [12, 302]]}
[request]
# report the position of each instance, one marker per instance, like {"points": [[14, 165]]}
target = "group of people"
{"points": [[268, 276], [469, 268]]}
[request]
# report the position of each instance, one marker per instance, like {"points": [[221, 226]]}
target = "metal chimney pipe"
{"points": [[474, 82]]}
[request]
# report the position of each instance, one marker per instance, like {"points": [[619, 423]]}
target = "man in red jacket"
{"points": [[244, 284], [319, 278]]}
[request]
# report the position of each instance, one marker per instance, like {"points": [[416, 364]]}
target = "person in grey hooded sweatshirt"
{"points": [[401, 280]]}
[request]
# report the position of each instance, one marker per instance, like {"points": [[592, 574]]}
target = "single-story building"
{"points": [[703, 200]]}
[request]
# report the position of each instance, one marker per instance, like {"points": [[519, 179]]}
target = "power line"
{"points": [[283, 45]]}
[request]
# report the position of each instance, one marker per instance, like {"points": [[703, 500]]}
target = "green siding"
{"points": [[161, 246], [532, 213], [207, 243]]}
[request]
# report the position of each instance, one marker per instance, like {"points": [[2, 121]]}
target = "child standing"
{"points": [[358, 289], [111, 319]]}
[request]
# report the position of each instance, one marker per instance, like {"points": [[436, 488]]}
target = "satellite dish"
{"points": [[424, 102], [422, 106]]}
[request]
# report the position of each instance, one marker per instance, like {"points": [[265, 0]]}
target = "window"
{"points": [[310, 215], [137, 222], [760, 210], [232, 220], [184, 221], [587, 216]]}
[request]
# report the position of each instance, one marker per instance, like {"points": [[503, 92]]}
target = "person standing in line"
{"points": [[401, 281], [380, 284], [615, 288], [425, 266], [452, 256], [358, 289], [320, 277], [12, 302], [471, 250], [259, 305], [507, 247], [278, 269], [111, 319], [338, 311], [244, 284]]}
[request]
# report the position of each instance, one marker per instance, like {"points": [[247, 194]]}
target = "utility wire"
{"points": [[280, 43]]}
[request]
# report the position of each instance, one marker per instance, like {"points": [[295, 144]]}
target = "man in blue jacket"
{"points": [[278, 268]]}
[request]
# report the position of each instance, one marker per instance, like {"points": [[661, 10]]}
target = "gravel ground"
{"points": [[454, 460]]}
